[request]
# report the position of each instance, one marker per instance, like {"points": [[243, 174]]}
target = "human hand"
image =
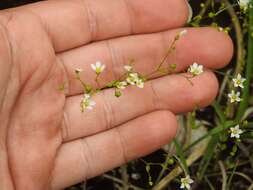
{"points": [[45, 141]]}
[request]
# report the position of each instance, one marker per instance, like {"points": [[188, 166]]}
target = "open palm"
{"points": [[45, 141]]}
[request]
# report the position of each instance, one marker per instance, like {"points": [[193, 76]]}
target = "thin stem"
{"points": [[85, 86], [231, 176], [124, 176], [223, 74], [224, 175], [169, 51], [249, 68], [199, 17], [120, 181], [240, 50], [234, 173], [219, 112], [97, 81]]}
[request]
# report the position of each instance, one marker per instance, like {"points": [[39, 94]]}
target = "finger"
{"points": [[173, 92], [78, 22], [207, 46], [96, 154]]}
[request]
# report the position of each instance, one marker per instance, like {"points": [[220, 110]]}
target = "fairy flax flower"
{"points": [[195, 69], [235, 132], [186, 182], [87, 102], [98, 67], [238, 81], [234, 96]]}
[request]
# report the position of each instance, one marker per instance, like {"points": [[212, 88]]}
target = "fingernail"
{"points": [[190, 12]]}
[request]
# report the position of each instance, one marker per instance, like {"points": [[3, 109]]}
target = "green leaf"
{"points": [[180, 153], [207, 156]]}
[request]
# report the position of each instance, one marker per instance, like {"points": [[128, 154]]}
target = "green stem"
{"points": [[249, 68], [97, 81], [181, 159], [219, 112], [85, 87], [168, 52], [239, 37], [240, 51]]}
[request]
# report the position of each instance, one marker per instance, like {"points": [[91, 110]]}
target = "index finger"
{"points": [[77, 22]]}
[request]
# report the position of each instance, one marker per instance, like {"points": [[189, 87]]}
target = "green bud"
{"points": [[148, 168], [117, 93], [211, 15], [173, 66], [234, 149], [112, 84], [171, 161]]}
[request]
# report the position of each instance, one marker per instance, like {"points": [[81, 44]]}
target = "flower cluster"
{"points": [[134, 78], [87, 102], [234, 96], [131, 78]]}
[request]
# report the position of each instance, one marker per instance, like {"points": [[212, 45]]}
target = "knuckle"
{"points": [[109, 116], [116, 58], [92, 20], [122, 146]]}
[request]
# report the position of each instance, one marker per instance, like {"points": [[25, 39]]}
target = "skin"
{"points": [[45, 141]]}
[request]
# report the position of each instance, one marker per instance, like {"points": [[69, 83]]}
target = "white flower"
{"points": [[220, 29], [132, 78], [238, 81], [128, 68], [98, 67], [183, 33], [140, 83], [234, 97], [236, 132], [186, 182], [121, 85], [87, 102], [135, 176], [243, 3], [195, 69], [78, 70]]}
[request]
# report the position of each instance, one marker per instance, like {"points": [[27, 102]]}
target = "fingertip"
{"points": [[206, 88], [219, 46], [158, 15], [168, 125], [154, 130], [182, 12], [206, 46]]}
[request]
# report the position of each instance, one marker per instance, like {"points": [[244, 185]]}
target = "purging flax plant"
{"points": [[209, 153]]}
